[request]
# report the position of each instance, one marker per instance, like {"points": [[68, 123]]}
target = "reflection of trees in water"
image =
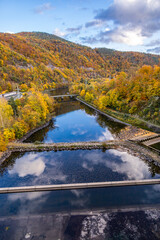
{"points": [[113, 127], [59, 91], [62, 108], [103, 121], [157, 146], [154, 169], [66, 107], [41, 134], [70, 106], [8, 164], [88, 110]]}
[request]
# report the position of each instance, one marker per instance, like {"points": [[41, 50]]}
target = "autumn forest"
{"points": [[126, 82]]}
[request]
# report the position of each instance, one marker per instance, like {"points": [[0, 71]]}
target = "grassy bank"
{"points": [[127, 118]]}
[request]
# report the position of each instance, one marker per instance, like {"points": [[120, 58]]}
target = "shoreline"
{"points": [[5, 155], [83, 145], [101, 112], [27, 135], [142, 123], [128, 146]]}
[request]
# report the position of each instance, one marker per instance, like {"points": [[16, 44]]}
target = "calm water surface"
{"points": [[42, 168], [76, 122]]}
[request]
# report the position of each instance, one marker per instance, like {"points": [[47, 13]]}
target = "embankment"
{"points": [[131, 147], [124, 118]]}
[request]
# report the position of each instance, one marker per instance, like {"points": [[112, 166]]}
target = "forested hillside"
{"points": [[138, 94], [127, 61], [124, 81], [47, 61]]}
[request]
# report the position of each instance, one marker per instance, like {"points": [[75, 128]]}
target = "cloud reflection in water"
{"points": [[130, 165], [43, 168], [106, 135], [33, 164], [120, 162]]}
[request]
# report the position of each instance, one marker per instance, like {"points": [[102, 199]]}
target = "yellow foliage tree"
{"points": [[2, 143], [32, 118], [6, 113], [82, 93], [24, 87], [9, 134], [37, 103], [89, 97], [20, 128]]}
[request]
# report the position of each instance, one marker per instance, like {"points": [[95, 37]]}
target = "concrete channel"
{"points": [[79, 186]]}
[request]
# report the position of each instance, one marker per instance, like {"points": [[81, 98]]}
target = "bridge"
{"points": [[66, 95], [79, 186], [10, 95]]}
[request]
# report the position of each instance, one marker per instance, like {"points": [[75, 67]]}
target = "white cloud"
{"points": [[82, 202], [121, 34], [85, 165], [30, 202], [107, 29], [95, 158], [32, 165], [130, 22], [94, 23], [79, 132], [153, 4], [130, 165], [26, 196], [59, 33], [78, 193], [42, 8], [9, 32], [106, 135], [130, 37]]}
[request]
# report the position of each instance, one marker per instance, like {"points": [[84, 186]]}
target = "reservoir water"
{"points": [[75, 122], [43, 168]]}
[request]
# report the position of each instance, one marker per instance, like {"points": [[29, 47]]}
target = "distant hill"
{"points": [[125, 61], [41, 35], [46, 60]]}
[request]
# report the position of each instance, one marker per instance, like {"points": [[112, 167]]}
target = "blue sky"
{"points": [[127, 25]]}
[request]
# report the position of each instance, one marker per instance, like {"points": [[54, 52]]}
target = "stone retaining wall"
{"points": [[131, 147]]}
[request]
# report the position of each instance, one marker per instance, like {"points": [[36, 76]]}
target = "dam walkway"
{"points": [[78, 186]]}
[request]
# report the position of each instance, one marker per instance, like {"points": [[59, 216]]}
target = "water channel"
{"points": [[75, 122]]}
